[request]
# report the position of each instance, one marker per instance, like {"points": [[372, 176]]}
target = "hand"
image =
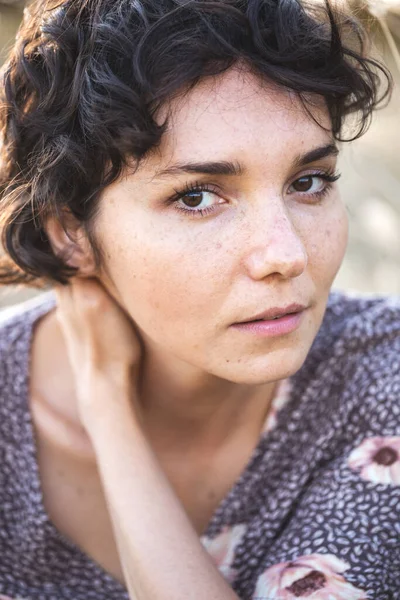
{"points": [[103, 347]]}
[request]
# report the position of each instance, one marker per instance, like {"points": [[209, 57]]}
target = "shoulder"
{"points": [[343, 534], [19, 316], [359, 335], [360, 323], [16, 324], [353, 367]]}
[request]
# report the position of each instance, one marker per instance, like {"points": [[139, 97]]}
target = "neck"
{"points": [[187, 408], [184, 409]]}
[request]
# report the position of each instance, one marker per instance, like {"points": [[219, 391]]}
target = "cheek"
{"points": [[329, 242], [165, 280]]}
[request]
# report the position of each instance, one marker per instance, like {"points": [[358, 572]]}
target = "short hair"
{"points": [[86, 78]]}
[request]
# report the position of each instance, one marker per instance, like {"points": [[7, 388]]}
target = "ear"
{"points": [[70, 242]]}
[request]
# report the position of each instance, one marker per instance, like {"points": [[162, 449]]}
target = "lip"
{"points": [[279, 327], [273, 313]]}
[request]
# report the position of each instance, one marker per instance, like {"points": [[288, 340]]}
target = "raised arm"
{"points": [[161, 554]]}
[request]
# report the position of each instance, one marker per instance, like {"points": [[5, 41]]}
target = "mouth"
{"points": [[274, 314], [275, 322]]}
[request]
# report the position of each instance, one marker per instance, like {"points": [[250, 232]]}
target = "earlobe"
{"points": [[70, 243]]}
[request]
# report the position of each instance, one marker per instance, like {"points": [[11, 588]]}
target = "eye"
{"points": [[197, 200], [309, 184], [314, 185]]}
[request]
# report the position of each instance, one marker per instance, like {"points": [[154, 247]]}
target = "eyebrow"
{"points": [[234, 168], [316, 154], [208, 168]]}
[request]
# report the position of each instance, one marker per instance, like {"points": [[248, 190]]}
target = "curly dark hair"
{"points": [[86, 79]]}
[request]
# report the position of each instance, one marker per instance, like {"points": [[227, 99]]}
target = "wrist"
{"points": [[117, 375], [109, 396]]}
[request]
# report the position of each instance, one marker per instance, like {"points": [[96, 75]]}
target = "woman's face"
{"points": [[271, 232]]}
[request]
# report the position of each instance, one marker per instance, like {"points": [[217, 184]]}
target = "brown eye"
{"points": [[196, 201], [193, 199], [304, 184], [312, 185]]}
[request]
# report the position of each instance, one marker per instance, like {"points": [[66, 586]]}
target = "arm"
{"points": [[161, 554]]}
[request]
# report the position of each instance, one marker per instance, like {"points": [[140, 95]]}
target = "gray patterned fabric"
{"points": [[316, 512]]}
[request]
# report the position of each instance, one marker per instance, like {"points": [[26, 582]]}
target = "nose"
{"points": [[275, 247]]}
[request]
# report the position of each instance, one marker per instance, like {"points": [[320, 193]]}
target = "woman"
{"points": [[191, 413]]}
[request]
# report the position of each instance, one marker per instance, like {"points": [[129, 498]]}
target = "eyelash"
{"points": [[330, 177]]}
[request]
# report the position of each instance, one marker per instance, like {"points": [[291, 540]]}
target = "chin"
{"points": [[267, 368]]}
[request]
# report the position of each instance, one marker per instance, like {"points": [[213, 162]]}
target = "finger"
{"points": [[67, 313], [64, 297], [88, 301], [88, 293]]}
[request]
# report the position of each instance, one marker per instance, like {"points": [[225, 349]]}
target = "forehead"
{"points": [[237, 113]]}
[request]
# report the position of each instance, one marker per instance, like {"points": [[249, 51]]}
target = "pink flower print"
{"points": [[378, 460], [315, 577], [222, 548], [280, 399]]}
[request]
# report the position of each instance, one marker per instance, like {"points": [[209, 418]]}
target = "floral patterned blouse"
{"points": [[315, 513]]}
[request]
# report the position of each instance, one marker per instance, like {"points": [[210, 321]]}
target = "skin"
{"points": [[203, 389], [261, 248], [185, 280]]}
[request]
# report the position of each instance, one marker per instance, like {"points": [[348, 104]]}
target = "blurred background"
{"points": [[370, 166]]}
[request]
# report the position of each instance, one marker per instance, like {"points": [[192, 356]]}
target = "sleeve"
{"points": [[342, 540]]}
